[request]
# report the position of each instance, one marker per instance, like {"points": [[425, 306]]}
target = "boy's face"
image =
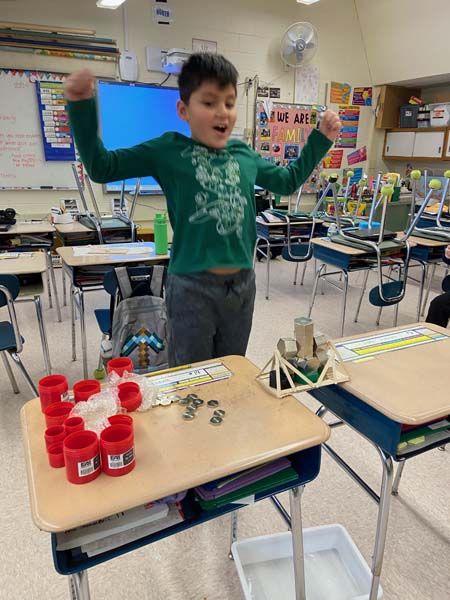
{"points": [[211, 113]]}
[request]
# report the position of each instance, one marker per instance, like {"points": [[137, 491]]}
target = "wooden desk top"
{"points": [[428, 243], [172, 454], [285, 223], [75, 227], [107, 255], [338, 247], [29, 228], [24, 264], [409, 385]]}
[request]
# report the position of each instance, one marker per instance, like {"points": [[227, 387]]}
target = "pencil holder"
{"points": [[73, 424], [83, 390], [57, 413], [56, 455], [53, 435], [130, 395], [53, 388], [119, 365], [82, 456], [121, 420], [117, 450]]}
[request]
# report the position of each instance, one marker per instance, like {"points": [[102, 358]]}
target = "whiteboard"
{"points": [[22, 161]]}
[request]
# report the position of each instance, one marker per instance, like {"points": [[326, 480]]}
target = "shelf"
{"points": [[306, 463]]}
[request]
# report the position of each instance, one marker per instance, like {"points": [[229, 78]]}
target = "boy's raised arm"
{"points": [[101, 164], [286, 180]]}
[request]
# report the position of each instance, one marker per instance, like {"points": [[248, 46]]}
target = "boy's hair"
{"points": [[205, 66]]}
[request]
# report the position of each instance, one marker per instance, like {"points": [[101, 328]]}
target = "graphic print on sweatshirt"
{"points": [[221, 200]]}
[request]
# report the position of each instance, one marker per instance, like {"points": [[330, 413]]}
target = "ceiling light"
{"points": [[109, 3], [307, 1]]}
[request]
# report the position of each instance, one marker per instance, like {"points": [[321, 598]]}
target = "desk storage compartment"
{"points": [[334, 567]]}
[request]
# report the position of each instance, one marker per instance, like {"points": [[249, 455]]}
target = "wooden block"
{"points": [[287, 347]]}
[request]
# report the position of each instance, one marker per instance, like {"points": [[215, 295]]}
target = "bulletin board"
{"points": [[23, 163], [281, 135]]}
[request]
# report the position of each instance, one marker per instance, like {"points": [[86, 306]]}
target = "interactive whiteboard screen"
{"points": [[131, 113]]}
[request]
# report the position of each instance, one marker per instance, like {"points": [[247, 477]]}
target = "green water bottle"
{"points": [[160, 227]]}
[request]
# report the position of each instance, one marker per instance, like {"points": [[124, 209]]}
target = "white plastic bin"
{"points": [[334, 567]]}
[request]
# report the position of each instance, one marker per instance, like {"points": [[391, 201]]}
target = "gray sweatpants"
{"points": [[208, 315]]}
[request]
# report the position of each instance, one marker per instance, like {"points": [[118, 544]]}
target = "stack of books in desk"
{"points": [[121, 528], [242, 487], [415, 437]]}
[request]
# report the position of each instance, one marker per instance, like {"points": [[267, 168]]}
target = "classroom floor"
{"points": [[194, 564]]}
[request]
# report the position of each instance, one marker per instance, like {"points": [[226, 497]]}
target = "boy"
{"points": [[439, 309], [208, 181]]}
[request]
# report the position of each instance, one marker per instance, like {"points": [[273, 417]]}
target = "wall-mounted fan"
{"points": [[299, 44]]}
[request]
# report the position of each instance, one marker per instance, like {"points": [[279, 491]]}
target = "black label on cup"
{"points": [[118, 461]]}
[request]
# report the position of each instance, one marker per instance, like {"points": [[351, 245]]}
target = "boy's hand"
{"points": [[79, 85], [330, 125]]}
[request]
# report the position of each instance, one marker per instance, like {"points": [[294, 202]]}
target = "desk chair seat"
{"points": [[7, 337], [103, 317], [11, 342], [392, 293]]}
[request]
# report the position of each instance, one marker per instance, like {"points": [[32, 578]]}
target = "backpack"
{"points": [[139, 319]]}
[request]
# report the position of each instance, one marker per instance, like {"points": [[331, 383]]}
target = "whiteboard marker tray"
{"points": [[334, 567]]}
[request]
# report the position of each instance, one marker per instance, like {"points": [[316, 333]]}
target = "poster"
{"points": [[274, 92], [281, 135], [307, 81], [263, 92], [340, 93], [333, 159], [357, 156], [348, 136], [362, 96]]}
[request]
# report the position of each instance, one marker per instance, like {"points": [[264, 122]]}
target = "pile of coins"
{"points": [[192, 403]]}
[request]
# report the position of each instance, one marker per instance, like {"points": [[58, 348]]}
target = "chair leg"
{"points": [[363, 289], [11, 377], [344, 300], [304, 271], [72, 321], [27, 378], [64, 290], [314, 290], [296, 271], [427, 293], [43, 335], [233, 531]]}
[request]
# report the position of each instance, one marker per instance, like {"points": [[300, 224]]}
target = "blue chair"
{"points": [[11, 342]]}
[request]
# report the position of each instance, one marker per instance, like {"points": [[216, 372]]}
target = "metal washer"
{"points": [[213, 403], [215, 420], [219, 413], [188, 416]]}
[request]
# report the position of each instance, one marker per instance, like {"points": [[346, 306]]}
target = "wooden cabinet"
{"points": [[389, 101], [421, 144]]}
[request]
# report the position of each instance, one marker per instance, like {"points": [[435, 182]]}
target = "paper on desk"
{"points": [[113, 250], [247, 500], [5, 255]]}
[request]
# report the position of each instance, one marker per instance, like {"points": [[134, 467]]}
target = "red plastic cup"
{"points": [[130, 395], [73, 424], [55, 455], [119, 365], [84, 389], [53, 435], [57, 412], [121, 420], [82, 456], [52, 388], [117, 450]]}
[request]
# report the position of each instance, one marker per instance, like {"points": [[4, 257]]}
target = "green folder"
{"points": [[280, 478]]}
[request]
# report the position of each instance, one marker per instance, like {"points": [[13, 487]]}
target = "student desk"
{"points": [[346, 259], [74, 234], [261, 428], [86, 272], [26, 237], [404, 386], [274, 235], [35, 263]]}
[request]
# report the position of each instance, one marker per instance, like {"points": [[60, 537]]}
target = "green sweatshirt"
{"points": [[210, 193]]}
